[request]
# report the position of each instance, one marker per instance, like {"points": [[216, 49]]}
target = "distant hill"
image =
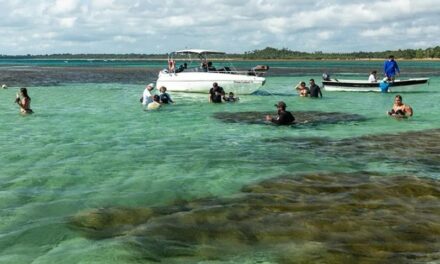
{"points": [[267, 53]]}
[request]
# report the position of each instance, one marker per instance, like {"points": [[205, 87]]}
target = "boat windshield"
{"points": [[197, 60], [200, 60]]}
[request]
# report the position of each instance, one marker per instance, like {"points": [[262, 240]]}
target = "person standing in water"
{"points": [[283, 117], [155, 105], [24, 101], [216, 93], [302, 89], [315, 90], [165, 98], [147, 96], [400, 109]]}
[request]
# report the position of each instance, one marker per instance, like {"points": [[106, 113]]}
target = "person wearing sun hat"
{"points": [[283, 117], [147, 96]]}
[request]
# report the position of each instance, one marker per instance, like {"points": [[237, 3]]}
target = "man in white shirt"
{"points": [[147, 96], [373, 77]]}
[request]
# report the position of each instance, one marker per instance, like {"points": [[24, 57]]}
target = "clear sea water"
{"points": [[92, 146]]}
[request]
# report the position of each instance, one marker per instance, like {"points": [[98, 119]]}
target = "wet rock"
{"points": [[52, 76], [308, 118], [337, 218], [417, 149]]}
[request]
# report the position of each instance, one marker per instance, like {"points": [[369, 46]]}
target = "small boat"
{"points": [[196, 73], [365, 86]]}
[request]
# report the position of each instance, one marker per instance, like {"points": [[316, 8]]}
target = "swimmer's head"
{"points": [[281, 105], [150, 86]]}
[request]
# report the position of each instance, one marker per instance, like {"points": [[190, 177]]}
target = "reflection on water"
{"points": [[314, 218]]}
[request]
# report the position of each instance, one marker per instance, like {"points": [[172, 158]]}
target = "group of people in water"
{"points": [[391, 70], [313, 91], [217, 95], [284, 117], [154, 101]]}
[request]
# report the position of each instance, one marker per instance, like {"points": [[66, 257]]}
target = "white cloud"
{"points": [[125, 39], [124, 26], [64, 6], [324, 35], [376, 33], [67, 22]]}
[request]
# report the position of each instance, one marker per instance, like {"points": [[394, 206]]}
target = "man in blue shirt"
{"points": [[390, 68]]}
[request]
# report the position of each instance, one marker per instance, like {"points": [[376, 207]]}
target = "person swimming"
{"points": [[230, 98], [400, 109]]}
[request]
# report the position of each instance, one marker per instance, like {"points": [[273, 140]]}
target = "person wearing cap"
{"points": [[302, 89], [283, 117], [216, 93], [315, 90], [147, 96]]}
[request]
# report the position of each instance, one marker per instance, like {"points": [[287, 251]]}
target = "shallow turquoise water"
{"points": [[92, 145]]}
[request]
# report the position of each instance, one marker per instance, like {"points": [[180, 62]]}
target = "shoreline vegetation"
{"points": [[267, 53]]}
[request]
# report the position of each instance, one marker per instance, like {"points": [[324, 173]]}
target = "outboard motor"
{"points": [[258, 70], [326, 76]]}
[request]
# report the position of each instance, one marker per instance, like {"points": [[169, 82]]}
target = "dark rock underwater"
{"points": [[359, 217]]}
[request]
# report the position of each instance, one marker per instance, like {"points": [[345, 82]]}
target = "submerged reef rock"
{"points": [[418, 150], [52, 76], [301, 117], [314, 218]]}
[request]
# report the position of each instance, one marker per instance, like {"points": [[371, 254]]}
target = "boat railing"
{"points": [[250, 72]]}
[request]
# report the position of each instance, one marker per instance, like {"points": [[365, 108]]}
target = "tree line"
{"points": [[272, 53], [267, 53]]}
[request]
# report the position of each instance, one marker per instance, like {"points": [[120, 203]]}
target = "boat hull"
{"points": [[201, 82], [365, 86]]}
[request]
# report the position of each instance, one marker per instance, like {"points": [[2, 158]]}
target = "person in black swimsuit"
{"points": [[164, 96], [315, 90], [284, 117], [216, 93], [399, 108]]}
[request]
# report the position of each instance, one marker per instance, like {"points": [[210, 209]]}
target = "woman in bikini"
{"points": [[24, 102], [302, 89], [400, 109]]}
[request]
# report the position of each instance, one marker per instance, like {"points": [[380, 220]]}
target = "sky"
{"points": [[234, 26]]}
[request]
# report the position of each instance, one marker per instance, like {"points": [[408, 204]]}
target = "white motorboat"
{"points": [[191, 71], [365, 86]]}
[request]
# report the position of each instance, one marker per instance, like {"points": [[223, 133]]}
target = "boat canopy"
{"points": [[198, 51]]}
